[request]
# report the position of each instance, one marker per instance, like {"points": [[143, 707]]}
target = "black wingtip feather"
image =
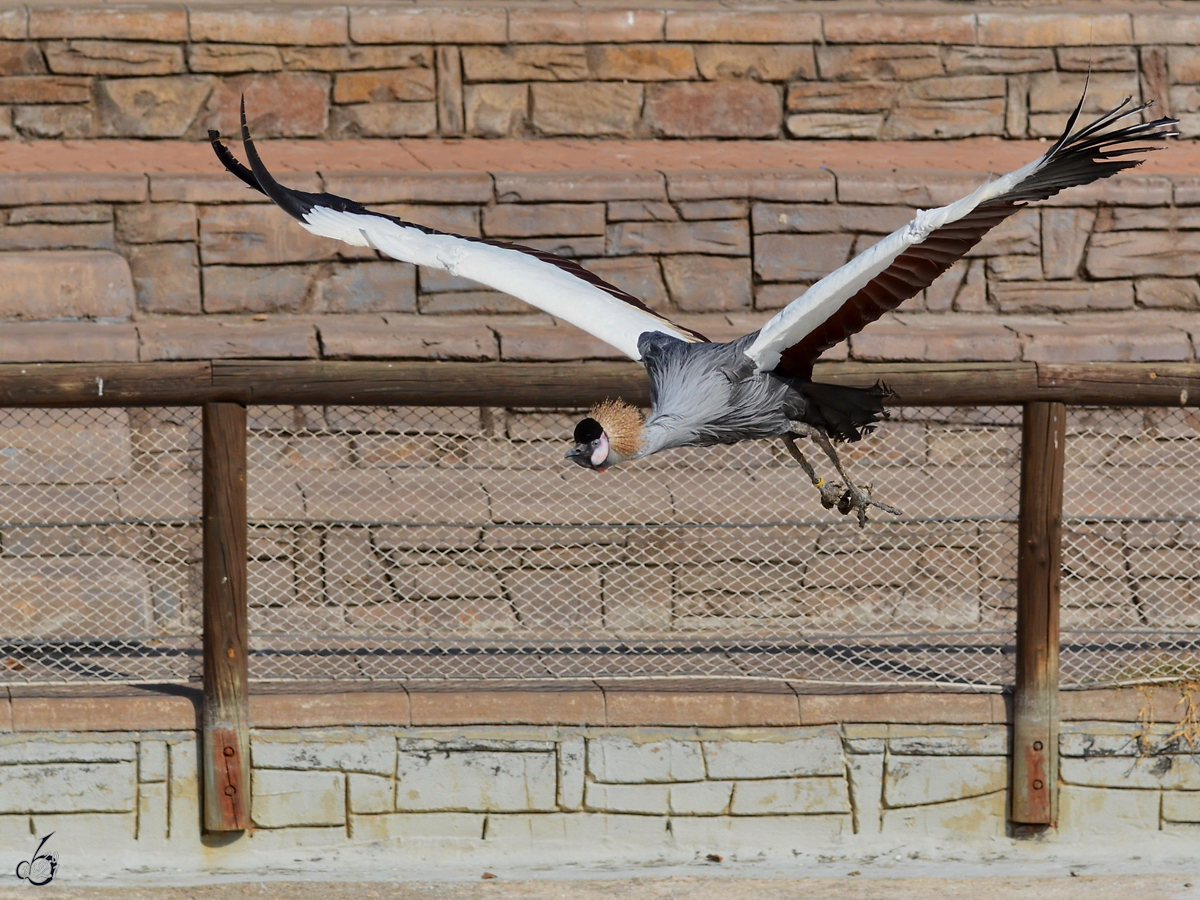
{"points": [[230, 162]]}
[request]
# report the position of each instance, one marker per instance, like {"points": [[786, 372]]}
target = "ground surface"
{"points": [[1120, 887]]}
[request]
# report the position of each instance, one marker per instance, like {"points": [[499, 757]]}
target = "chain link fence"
{"points": [[413, 542]]}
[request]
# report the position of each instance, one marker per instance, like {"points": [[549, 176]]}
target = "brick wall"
{"points": [[408, 796], [784, 71]]}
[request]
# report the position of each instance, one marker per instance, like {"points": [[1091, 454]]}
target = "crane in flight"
{"points": [[759, 385]]}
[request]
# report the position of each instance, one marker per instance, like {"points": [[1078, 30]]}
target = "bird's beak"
{"points": [[581, 455]]}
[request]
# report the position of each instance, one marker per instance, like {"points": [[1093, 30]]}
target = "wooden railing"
{"points": [[225, 387]]}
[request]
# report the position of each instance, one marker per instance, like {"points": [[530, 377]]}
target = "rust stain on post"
{"points": [[225, 718], [1039, 566]]}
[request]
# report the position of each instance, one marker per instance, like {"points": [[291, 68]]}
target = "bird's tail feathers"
{"points": [[845, 413]]}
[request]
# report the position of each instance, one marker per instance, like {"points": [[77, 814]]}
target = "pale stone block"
{"points": [[1110, 812], [371, 794], [21, 749], [916, 780], [46, 284], [627, 798], [152, 811], [423, 827], [88, 787], [1181, 806], [753, 835], [344, 752], [865, 775], [779, 796], [595, 834], [621, 760], [152, 761], [810, 751], [107, 830], [14, 831], [973, 818], [700, 798], [962, 741], [288, 798], [475, 780], [1172, 772], [571, 767]]}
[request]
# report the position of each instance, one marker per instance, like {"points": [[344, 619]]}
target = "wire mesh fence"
{"points": [[411, 542]]}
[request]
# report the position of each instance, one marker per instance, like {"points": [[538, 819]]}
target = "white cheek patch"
{"points": [[600, 454]]}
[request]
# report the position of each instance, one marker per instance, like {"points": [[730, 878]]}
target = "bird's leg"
{"points": [[855, 498], [830, 493]]}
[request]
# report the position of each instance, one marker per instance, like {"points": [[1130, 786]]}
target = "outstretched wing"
{"points": [[556, 285], [908, 260]]}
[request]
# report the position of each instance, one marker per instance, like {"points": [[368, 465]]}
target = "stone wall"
{"points": [[788, 70], [509, 797], [182, 266]]}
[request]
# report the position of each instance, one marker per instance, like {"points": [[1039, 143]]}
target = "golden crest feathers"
{"points": [[622, 423]]}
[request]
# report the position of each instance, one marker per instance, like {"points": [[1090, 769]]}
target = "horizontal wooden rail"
{"points": [[562, 385]]}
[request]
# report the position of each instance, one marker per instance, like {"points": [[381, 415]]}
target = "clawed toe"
{"points": [[857, 500]]}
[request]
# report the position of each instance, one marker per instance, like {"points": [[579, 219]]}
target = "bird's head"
{"points": [[609, 435]]}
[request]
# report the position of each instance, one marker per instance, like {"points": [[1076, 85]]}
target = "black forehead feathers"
{"points": [[587, 431]]}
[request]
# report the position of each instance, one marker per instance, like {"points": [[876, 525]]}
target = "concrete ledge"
{"points": [[714, 703]]}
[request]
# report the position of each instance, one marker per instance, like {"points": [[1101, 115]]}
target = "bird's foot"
{"points": [[831, 492], [858, 500]]}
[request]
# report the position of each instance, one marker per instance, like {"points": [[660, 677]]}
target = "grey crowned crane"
{"points": [[759, 385]]}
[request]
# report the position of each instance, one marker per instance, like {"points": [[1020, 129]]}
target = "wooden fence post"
{"points": [[225, 718], [1039, 565]]}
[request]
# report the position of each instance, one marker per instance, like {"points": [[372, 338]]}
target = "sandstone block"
{"points": [[1118, 254], [785, 257], [407, 84], [488, 303], [371, 794], [1168, 293], [457, 827], [580, 185], [1053, 29], [555, 602], [426, 25], [285, 798], [835, 126], [475, 780], [151, 107], [44, 89], [53, 236], [67, 751], [871, 28], [166, 278], [372, 754], [109, 23], [278, 104], [496, 110], [998, 60], [1181, 806], [976, 817], [808, 752], [152, 812], [743, 26], [366, 287], [529, 220], [818, 218], [938, 340], [641, 62], [648, 799], [878, 61], [84, 787], [55, 122], [1057, 92], [423, 495], [21, 58], [700, 210], [384, 120], [1170, 772], [699, 798], [1109, 811], [584, 26], [1099, 344], [408, 338], [65, 283], [152, 761], [264, 25], [152, 223], [742, 109], [1065, 235], [763, 184], [917, 780], [256, 289], [615, 759], [758, 62], [230, 58], [780, 796], [571, 769], [517, 62], [113, 58], [718, 238], [226, 340], [854, 97], [412, 187], [1061, 296], [941, 119], [586, 108]]}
